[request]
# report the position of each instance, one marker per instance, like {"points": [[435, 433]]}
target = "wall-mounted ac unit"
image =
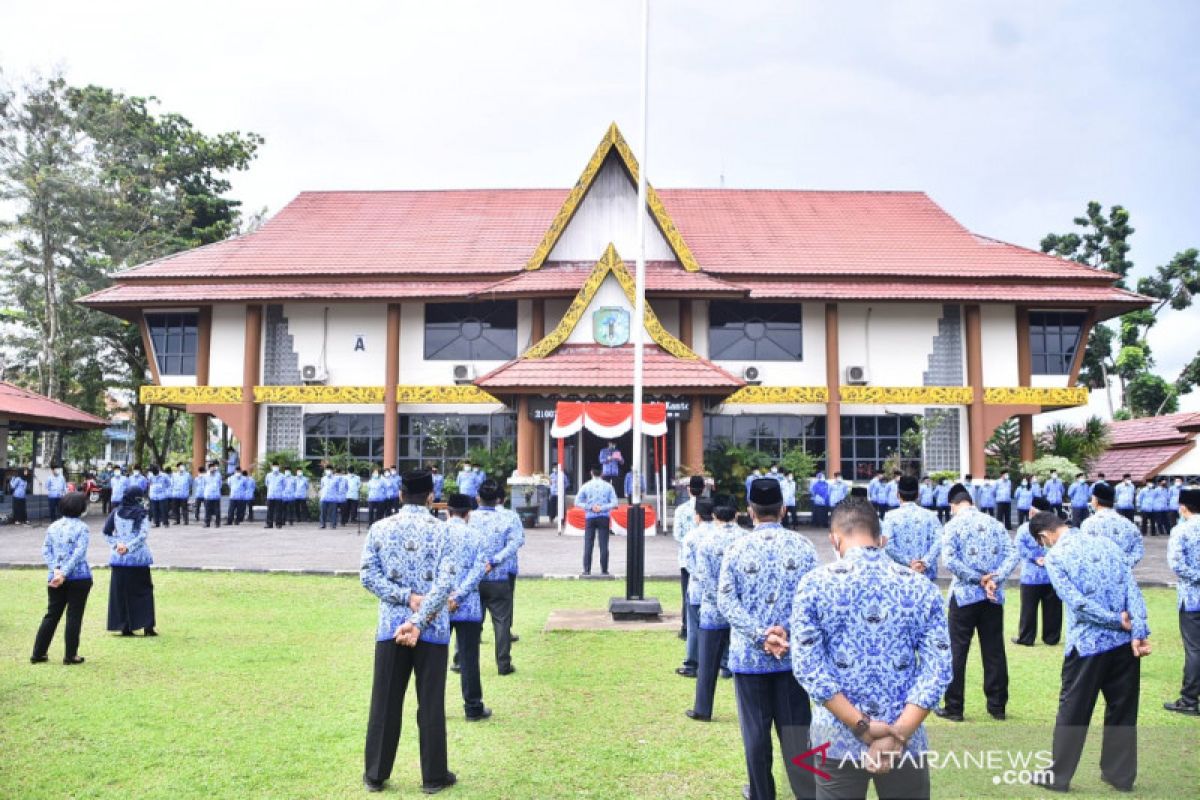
{"points": [[752, 375], [464, 373], [311, 373], [857, 376]]}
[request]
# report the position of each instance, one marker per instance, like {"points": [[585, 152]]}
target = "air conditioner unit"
{"points": [[311, 373], [464, 373], [752, 376], [857, 376]]}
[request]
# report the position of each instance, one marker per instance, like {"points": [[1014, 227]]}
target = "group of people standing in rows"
{"points": [[856, 653]]}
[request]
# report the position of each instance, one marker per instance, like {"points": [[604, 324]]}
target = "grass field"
{"points": [[258, 687]]}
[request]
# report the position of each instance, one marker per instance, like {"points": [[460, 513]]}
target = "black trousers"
{"points": [[1022, 516], [275, 513], [906, 781], [496, 597], [594, 526], [1127, 513], [986, 618], [1116, 674], [349, 511], [105, 500], [1078, 515], [777, 700], [881, 509], [212, 512], [158, 512], [394, 665], [512, 588], [179, 510], [1004, 513], [71, 596], [711, 645], [684, 578], [1189, 632], [466, 641], [1163, 520], [52, 507], [1033, 594], [1057, 508], [374, 511], [20, 514], [943, 513]]}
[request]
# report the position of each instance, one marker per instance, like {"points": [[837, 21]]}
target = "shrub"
{"points": [[1042, 467]]}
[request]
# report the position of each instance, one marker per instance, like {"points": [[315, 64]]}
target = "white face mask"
{"points": [[274, 469], [374, 474], [328, 472]]}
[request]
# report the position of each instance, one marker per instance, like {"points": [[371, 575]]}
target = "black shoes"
{"points": [[126, 632], [507, 670], [372, 786], [1117, 786], [949, 715], [685, 672], [514, 638], [998, 715], [1179, 706], [445, 783], [72, 661], [149, 632], [1015, 640], [38, 659], [691, 714], [455, 668], [587, 573], [482, 715]]}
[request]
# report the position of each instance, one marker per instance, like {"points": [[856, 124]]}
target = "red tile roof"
{"points": [[581, 366], [562, 278], [30, 407], [1141, 463], [192, 293], [1151, 430]]}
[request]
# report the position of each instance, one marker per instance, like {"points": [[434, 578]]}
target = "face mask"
{"points": [[328, 472], [774, 469], [274, 469], [374, 474], [1024, 483]]}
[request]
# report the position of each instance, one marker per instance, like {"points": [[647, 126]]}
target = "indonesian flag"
{"points": [[607, 420], [577, 520]]}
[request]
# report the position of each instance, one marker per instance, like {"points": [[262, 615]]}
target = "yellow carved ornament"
{"points": [[1036, 396], [907, 395], [612, 140], [183, 395], [609, 264], [780, 394], [367, 395]]}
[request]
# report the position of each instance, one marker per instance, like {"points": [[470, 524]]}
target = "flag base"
{"points": [[642, 610]]}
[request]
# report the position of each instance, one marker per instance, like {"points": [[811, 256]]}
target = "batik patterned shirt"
{"points": [[503, 535], [123, 531], [56, 486], [181, 485], [65, 549], [1094, 582], [710, 551], [758, 581], [913, 534], [1107, 522], [410, 552], [685, 520], [973, 545], [691, 546], [472, 561], [1183, 556], [596, 492], [874, 631], [1029, 551]]}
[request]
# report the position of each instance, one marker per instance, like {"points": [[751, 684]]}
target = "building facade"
{"points": [[409, 327]]}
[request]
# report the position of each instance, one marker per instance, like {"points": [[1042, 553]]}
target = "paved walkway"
{"points": [[306, 548]]}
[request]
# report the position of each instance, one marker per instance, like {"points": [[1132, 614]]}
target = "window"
{"points": [[754, 331], [471, 331], [1053, 339], [444, 440], [868, 441], [770, 434], [358, 435], [173, 337]]}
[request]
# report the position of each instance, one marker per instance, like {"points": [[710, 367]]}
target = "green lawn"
{"points": [[258, 687]]}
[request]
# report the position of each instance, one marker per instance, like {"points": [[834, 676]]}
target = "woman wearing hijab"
{"points": [[131, 593]]}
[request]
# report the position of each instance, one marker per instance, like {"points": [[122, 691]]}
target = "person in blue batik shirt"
{"points": [[56, 488], [942, 500], [1126, 497], [912, 535], [1105, 521], [926, 495], [376, 497], [893, 492], [503, 536], [701, 521], [1173, 503], [1080, 494], [210, 491], [758, 580], [300, 495], [159, 490], [598, 499], [870, 645], [131, 590], [1003, 495], [409, 561], [1054, 492], [1024, 497], [181, 489], [328, 499], [1107, 636], [439, 484], [987, 498], [979, 556], [713, 628], [353, 495], [18, 485], [1160, 499], [466, 611], [820, 502], [610, 462], [877, 493], [1036, 589], [754, 475], [68, 581], [839, 490], [1183, 557], [685, 520], [275, 497]]}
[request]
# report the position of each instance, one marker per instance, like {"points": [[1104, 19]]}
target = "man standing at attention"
{"points": [[181, 488], [912, 536], [1183, 556], [466, 612], [838, 490], [1003, 496], [877, 493], [409, 563], [210, 490], [610, 464], [1054, 491], [685, 518], [713, 628], [1080, 494], [466, 481], [1108, 523], [874, 676], [56, 488], [1107, 635], [758, 580], [598, 498], [979, 556], [503, 534], [1036, 589], [275, 497], [1126, 495]]}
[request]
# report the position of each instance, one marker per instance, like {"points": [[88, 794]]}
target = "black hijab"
{"points": [[131, 508]]}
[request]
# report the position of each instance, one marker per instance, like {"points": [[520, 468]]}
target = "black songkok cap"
{"points": [[696, 483], [766, 492], [418, 481], [1041, 504], [908, 485], [1189, 497], [959, 493], [859, 491], [458, 502], [704, 507], [725, 500], [1104, 493], [490, 491]]}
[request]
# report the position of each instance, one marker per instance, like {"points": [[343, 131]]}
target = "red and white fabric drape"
{"points": [[607, 420]]}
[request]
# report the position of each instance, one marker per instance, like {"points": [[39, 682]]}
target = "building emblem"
{"points": [[610, 326]]}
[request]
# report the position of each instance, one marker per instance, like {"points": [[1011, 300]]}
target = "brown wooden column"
{"points": [[976, 427], [251, 368], [693, 437], [537, 332], [526, 437], [391, 378], [203, 352], [1024, 378], [833, 382]]}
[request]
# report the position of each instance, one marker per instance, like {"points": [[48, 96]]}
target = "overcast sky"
{"points": [[1011, 116]]}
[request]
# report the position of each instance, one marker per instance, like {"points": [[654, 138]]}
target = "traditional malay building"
{"points": [[406, 327]]}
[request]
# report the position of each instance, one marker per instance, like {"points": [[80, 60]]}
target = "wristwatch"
{"points": [[861, 727]]}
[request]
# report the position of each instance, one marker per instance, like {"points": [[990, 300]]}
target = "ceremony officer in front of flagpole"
{"points": [[409, 562], [466, 612]]}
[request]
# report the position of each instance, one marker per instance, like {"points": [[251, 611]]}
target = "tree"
{"points": [[1004, 449], [1149, 395], [1080, 445]]}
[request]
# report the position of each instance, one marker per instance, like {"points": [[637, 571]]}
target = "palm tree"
{"points": [[1081, 445]]}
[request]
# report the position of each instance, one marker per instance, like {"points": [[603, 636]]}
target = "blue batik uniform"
{"points": [[118, 484], [1124, 496], [275, 486], [758, 581], [1183, 557], [925, 496], [1173, 498], [838, 490], [892, 494], [691, 544], [685, 520], [160, 487], [987, 496], [913, 534], [181, 485], [629, 484], [877, 633], [1080, 493], [1054, 491], [472, 561], [751, 478], [301, 488], [1142, 499], [1108, 523], [876, 493], [210, 486], [503, 534], [1029, 551], [610, 464], [139, 480], [468, 482], [18, 486], [353, 487], [1024, 498], [1003, 491], [56, 487], [1160, 498], [133, 537], [439, 484], [819, 489], [409, 552], [328, 489], [973, 545], [710, 550], [597, 492], [376, 490], [942, 495], [1095, 583], [65, 549], [1036, 487]]}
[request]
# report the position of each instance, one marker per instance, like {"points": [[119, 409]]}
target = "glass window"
{"points": [[773, 434], [867, 441], [740, 331], [443, 440], [471, 331], [1053, 340], [173, 337], [357, 435]]}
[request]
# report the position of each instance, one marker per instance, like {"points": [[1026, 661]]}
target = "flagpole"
{"points": [[639, 278]]}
